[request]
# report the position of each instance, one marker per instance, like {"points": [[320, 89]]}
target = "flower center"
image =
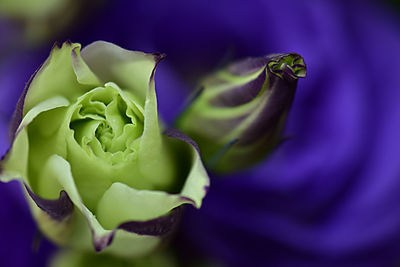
{"points": [[107, 124]]}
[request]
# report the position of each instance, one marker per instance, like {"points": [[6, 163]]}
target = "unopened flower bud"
{"points": [[239, 115]]}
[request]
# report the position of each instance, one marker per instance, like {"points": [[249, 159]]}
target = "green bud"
{"points": [[239, 114], [98, 169]]}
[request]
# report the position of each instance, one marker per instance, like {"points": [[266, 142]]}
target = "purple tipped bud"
{"points": [[239, 116]]}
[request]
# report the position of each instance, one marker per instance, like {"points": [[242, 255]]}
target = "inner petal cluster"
{"points": [[107, 124]]}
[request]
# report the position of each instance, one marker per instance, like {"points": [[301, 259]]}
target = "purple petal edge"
{"points": [[18, 113], [156, 227], [160, 227], [241, 94], [174, 133], [57, 209], [61, 208], [157, 58]]}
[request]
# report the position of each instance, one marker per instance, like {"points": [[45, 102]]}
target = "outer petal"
{"points": [[154, 154], [58, 169], [82, 71], [121, 203], [131, 70], [56, 77], [198, 182], [121, 214], [14, 163]]}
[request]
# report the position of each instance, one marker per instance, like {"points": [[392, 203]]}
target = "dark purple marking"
{"points": [[160, 226], [280, 98], [247, 66], [276, 104], [240, 95], [157, 58], [61, 208], [19, 109], [57, 209], [104, 241], [173, 133]]}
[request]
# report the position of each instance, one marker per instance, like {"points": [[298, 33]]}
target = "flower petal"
{"points": [[57, 209], [56, 77], [154, 153], [121, 203], [48, 104], [14, 164], [101, 238], [131, 70], [60, 169], [197, 183], [82, 71]]}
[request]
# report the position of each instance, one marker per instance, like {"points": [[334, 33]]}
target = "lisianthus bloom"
{"points": [[241, 110], [87, 145]]}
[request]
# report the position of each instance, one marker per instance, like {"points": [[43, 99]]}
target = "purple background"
{"points": [[328, 197]]}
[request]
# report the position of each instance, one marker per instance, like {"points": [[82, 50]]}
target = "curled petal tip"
{"points": [[290, 65], [158, 57], [56, 44]]}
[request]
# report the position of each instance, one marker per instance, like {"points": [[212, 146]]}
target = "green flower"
{"points": [[88, 147], [240, 112]]}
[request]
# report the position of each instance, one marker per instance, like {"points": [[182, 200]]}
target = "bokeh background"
{"points": [[330, 196]]}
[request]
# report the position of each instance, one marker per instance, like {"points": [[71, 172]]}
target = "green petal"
{"points": [[121, 203], [15, 164], [82, 71], [59, 170], [92, 168], [131, 70], [56, 77], [124, 243], [154, 155], [46, 105], [197, 183]]}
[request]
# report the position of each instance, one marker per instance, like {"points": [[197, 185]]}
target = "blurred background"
{"points": [[330, 196]]}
